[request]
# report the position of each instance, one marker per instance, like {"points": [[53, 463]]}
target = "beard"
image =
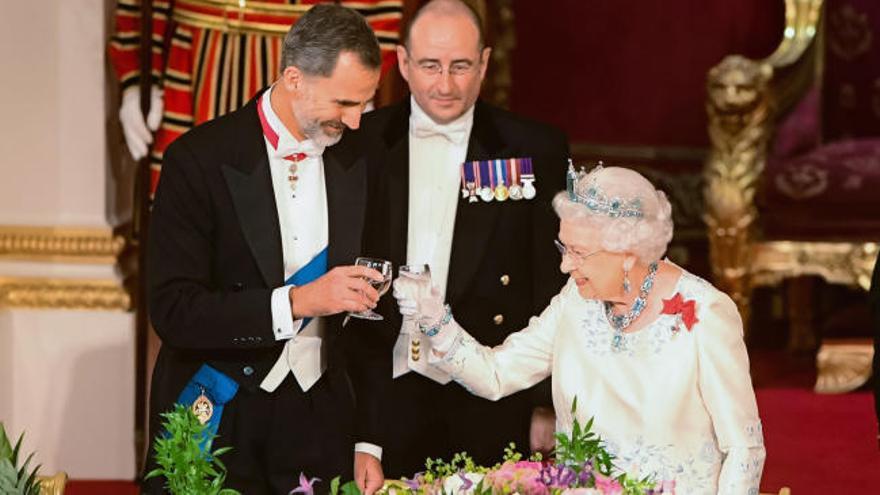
{"points": [[324, 133]]}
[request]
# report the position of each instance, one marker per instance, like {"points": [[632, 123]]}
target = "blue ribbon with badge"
{"points": [[498, 180], [206, 394], [209, 390]]}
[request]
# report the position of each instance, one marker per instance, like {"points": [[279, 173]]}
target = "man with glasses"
{"points": [[466, 189]]}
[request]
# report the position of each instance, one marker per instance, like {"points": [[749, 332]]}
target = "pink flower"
{"points": [[522, 477], [608, 485], [306, 485]]}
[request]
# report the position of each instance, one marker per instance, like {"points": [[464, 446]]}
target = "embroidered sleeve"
{"points": [[125, 44], [726, 388], [522, 360]]}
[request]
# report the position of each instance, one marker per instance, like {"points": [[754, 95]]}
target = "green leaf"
{"points": [[5, 446], [350, 488], [188, 469]]}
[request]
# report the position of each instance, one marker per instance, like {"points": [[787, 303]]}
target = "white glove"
{"points": [[137, 131], [418, 298]]}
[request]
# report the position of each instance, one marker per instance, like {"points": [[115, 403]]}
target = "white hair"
{"points": [[645, 236]]}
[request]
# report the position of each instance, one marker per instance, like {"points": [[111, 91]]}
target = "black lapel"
{"points": [[250, 185], [396, 137], [474, 222], [345, 180]]}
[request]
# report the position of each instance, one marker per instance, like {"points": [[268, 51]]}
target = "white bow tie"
{"points": [[308, 147], [455, 133]]}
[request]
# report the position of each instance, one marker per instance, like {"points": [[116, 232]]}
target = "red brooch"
{"points": [[686, 310]]}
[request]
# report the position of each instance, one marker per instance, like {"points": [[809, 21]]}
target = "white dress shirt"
{"points": [[303, 236], [302, 217], [436, 154]]}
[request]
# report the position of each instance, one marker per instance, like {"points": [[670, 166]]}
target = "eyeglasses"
{"points": [[462, 68], [577, 257]]}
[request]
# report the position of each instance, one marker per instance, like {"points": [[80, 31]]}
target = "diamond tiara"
{"points": [[582, 188]]}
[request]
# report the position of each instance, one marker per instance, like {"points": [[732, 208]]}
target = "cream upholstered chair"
{"points": [[794, 168], [53, 485]]}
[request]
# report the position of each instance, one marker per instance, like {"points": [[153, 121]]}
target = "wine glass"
{"points": [[381, 286]]}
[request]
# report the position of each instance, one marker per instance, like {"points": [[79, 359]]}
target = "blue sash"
{"points": [[218, 388], [309, 273]]}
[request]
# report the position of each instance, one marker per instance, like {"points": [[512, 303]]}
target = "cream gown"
{"points": [[671, 402]]}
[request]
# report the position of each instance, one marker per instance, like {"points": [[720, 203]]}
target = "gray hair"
{"points": [[646, 236], [316, 40]]}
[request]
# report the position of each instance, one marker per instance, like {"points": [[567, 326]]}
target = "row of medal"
{"points": [[499, 179]]}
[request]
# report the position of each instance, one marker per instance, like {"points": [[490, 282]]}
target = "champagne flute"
{"points": [[381, 286]]}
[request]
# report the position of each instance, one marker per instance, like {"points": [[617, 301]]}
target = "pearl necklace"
{"points": [[620, 322]]}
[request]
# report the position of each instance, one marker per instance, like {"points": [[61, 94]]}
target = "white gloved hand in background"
{"points": [[138, 132]]}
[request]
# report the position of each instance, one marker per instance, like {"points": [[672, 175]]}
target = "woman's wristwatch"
{"points": [[432, 330]]}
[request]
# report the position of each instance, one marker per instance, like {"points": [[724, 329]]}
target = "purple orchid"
{"points": [[414, 483], [466, 482], [306, 485], [559, 476]]}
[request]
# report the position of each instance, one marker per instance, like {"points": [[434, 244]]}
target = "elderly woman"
{"points": [[652, 352]]}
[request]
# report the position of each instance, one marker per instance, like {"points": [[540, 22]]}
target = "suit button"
{"points": [[505, 280], [247, 370], [498, 319], [237, 287]]}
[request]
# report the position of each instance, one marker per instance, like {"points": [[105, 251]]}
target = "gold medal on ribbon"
{"points": [[501, 193], [203, 408]]}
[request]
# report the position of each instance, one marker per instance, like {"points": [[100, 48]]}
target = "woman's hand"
{"points": [[418, 299]]}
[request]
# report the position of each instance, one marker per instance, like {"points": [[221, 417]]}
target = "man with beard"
{"points": [[256, 217], [466, 189]]}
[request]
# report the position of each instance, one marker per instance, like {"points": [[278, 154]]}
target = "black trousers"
{"points": [[438, 421], [276, 436]]}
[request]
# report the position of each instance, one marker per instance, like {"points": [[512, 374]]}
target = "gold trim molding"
{"points": [[86, 245], [836, 262], [41, 293]]}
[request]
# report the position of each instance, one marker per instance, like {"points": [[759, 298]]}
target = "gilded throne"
{"points": [[792, 178]]}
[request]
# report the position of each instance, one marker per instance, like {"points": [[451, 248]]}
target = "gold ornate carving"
{"points": [[738, 108], [67, 244], [38, 293], [837, 262], [843, 367], [745, 97], [53, 485]]}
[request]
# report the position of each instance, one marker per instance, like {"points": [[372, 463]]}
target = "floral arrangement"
{"points": [[581, 466]]}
